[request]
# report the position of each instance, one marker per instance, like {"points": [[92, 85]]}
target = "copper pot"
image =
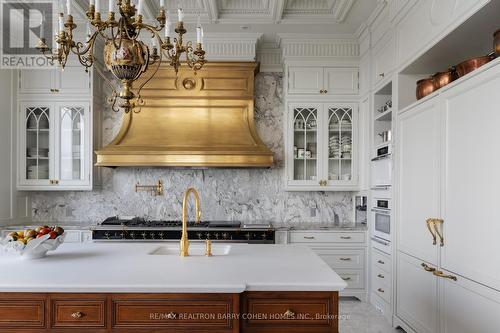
{"points": [[444, 78], [472, 64], [425, 87], [496, 42]]}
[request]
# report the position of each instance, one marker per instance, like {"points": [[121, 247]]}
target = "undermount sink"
{"points": [[194, 250]]}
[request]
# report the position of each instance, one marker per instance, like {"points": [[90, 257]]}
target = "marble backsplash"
{"points": [[226, 194]]}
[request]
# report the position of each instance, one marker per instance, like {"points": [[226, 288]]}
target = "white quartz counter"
{"points": [[126, 267]]}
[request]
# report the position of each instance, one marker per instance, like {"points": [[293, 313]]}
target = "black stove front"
{"points": [[139, 229]]}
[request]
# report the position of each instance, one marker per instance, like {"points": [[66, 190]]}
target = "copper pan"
{"points": [[425, 87], [472, 64], [444, 78]]}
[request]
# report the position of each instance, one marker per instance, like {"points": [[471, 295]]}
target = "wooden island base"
{"points": [[249, 312]]}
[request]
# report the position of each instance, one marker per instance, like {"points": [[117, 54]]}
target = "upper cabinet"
{"points": [[321, 151], [73, 80], [428, 21], [315, 80], [383, 59], [55, 130]]}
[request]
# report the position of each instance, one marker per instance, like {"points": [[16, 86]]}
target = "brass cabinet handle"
{"points": [[445, 276], [54, 90], [325, 91], [346, 278], [77, 315], [53, 182], [308, 237], [437, 230], [381, 276], [289, 313], [380, 290], [427, 268], [432, 230], [381, 262], [345, 237], [345, 259], [321, 91]]}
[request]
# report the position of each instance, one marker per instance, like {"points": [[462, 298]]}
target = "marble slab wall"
{"points": [[226, 194]]}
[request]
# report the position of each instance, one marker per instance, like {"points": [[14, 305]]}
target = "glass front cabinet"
{"points": [[321, 147], [54, 146]]}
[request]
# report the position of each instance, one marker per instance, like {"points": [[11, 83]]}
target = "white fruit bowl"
{"points": [[35, 249]]}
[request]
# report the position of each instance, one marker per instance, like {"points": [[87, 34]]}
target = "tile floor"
{"points": [[360, 317]]}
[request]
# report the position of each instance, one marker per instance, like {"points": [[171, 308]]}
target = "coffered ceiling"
{"points": [[268, 17]]}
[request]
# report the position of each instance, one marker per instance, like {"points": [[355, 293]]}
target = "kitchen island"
{"points": [[147, 287]]}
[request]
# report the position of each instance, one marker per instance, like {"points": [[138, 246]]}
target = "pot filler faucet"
{"points": [[184, 244]]}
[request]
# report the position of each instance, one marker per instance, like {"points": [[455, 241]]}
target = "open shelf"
{"points": [[385, 116], [473, 38]]}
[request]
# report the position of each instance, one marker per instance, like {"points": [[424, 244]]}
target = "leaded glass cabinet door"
{"points": [[72, 138], [36, 153], [341, 144], [304, 145]]}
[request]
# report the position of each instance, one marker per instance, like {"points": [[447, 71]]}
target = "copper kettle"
{"points": [[425, 87], [496, 42]]}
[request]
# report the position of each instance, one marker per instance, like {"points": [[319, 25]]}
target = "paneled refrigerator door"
{"points": [[304, 145], [472, 178], [73, 155], [341, 146], [417, 176], [36, 145]]}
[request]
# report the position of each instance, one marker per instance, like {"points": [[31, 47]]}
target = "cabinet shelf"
{"points": [[37, 158], [385, 116]]}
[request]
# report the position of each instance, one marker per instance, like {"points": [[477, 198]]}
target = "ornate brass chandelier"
{"points": [[125, 55]]}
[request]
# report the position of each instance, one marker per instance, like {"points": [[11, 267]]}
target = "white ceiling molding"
{"points": [[270, 59], [212, 10], [232, 46], [321, 11], [297, 45], [341, 8]]}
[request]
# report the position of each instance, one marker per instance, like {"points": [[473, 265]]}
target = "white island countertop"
{"points": [[129, 268]]}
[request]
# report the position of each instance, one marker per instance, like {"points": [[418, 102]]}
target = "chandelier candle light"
{"points": [[125, 55]]}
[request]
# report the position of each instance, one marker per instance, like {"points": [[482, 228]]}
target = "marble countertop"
{"points": [[126, 267]]}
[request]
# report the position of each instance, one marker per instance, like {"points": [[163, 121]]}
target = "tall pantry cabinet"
{"points": [[446, 180]]}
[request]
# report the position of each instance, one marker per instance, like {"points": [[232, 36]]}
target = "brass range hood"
{"points": [[188, 120]]}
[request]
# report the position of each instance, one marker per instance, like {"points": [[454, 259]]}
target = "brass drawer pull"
{"points": [[445, 276], [345, 237], [289, 314], [345, 259], [427, 268], [308, 237], [77, 315], [381, 276], [381, 262], [346, 278], [380, 290]]}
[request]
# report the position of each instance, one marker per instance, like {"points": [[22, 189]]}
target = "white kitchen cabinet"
{"points": [[472, 179], [343, 251], [417, 295], [72, 81], [321, 146], [417, 181], [468, 307], [428, 21], [305, 80], [383, 59], [54, 145], [314, 80]]}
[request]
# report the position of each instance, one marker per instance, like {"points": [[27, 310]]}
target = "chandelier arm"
{"points": [[112, 99]]}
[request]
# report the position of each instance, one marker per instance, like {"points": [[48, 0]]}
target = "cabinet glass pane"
{"points": [[72, 148], [305, 140], [37, 142], [340, 144]]}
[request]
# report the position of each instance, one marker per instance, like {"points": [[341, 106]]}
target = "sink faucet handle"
{"points": [[198, 216], [208, 248]]}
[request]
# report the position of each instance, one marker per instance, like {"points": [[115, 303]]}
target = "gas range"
{"points": [[139, 229]]}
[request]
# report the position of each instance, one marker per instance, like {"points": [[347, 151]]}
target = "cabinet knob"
{"points": [[321, 91], [53, 182], [381, 276], [380, 290], [77, 315], [325, 91], [381, 74]]}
